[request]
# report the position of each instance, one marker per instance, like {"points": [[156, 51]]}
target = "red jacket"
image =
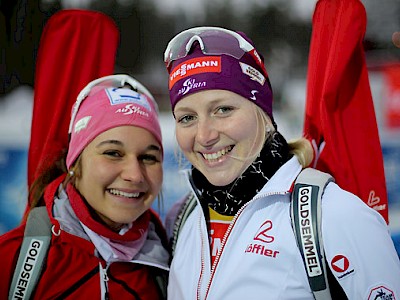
{"points": [[72, 270]]}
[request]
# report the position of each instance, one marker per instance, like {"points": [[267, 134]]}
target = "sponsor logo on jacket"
{"points": [[381, 293], [262, 240], [341, 266]]}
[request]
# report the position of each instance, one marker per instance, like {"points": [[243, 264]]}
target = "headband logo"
{"points": [[190, 84], [124, 95], [253, 73], [198, 65], [132, 109], [253, 92], [81, 123]]}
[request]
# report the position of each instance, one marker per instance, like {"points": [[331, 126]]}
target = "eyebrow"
{"points": [[151, 147], [154, 148], [115, 142], [212, 102]]}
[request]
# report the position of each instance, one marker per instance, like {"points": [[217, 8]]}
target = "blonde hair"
{"points": [[303, 150], [300, 147]]}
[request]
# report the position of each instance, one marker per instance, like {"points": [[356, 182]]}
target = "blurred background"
{"points": [[280, 29]]}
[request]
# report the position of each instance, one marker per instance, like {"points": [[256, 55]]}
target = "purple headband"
{"points": [[198, 72]]}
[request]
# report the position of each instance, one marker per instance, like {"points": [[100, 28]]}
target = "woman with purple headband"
{"points": [[232, 236], [105, 241]]}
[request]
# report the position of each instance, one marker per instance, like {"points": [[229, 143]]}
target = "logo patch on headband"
{"points": [[253, 73], [132, 109], [123, 95], [82, 124], [208, 64], [190, 84]]}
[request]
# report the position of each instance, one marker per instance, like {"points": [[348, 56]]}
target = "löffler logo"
{"points": [[374, 200], [263, 236]]}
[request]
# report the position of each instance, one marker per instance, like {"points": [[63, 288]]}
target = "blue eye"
{"points": [[185, 119], [224, 109]]}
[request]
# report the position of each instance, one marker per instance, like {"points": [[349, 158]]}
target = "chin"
{"points": [[127, 219], [220, 181]]}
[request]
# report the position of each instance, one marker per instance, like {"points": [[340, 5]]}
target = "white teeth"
{"points": [[216, 155], [123, 194]]}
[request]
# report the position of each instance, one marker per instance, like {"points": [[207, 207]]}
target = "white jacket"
{"points": [[261, 260]]}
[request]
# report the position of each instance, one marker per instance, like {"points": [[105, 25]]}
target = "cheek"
{"points": [[241, 132], [156, 177], [96, 172], [184, 139]]}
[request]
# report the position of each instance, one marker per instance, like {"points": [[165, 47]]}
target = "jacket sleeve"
{"points": [[172, 215], [358, 246], [10, 244]]}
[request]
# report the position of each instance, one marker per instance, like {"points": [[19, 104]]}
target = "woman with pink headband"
{"points": [[232, 236], [105, 241]]}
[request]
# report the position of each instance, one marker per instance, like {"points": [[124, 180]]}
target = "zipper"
{"points": [[104, 282], [202, 258], [201, 217], [104, 278], [225, 238]]}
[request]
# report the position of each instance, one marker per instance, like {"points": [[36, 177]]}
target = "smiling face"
{"points": [[218, 132], [121, 174]]}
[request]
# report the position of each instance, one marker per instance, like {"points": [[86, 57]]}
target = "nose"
{"points": [[132, 171], [207, 133]]}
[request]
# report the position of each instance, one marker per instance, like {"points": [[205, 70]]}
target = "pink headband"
{"points": [[104, 104]]}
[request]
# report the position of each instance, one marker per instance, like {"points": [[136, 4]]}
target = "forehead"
{"points": [[210, 98], [128, 136]]}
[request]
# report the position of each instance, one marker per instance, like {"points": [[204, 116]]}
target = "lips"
{"points": [[123, 194], [216, 155]]}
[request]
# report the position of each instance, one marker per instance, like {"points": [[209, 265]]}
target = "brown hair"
{"points": [[48, 171]]}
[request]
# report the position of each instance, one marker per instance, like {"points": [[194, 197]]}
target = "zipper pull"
{"points": [[104, 282], [105, 275]]}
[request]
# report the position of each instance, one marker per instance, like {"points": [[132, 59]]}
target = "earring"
{"points": [[71, 173]]}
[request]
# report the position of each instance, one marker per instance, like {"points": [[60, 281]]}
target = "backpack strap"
{"points": [[161, 280], [306, 222], [37, 238], [186, 209]]}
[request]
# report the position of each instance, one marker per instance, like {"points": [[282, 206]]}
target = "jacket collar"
{"points": [[283, 179], [281, 182]]}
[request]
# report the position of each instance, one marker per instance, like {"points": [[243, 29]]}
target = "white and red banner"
{"points": [[340, 118], [391, 73], [76, 47]]}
